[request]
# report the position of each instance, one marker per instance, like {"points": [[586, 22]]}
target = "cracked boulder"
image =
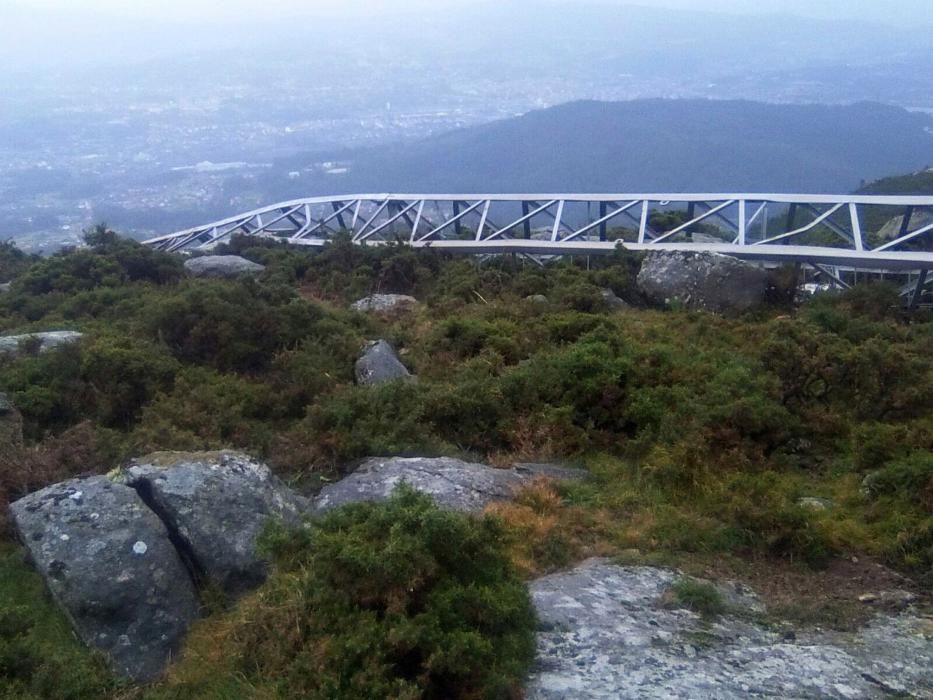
{"points": [[384, 302], [222, 267], [216, 505], [606, 631], [703, 281], [379, 364], [109, 563], [452, 483]]}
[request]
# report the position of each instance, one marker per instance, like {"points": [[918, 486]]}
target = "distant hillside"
{"points": [[914, 184], [649, 145]]}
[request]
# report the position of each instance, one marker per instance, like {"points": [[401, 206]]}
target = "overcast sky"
{"points": [[904, 12]]}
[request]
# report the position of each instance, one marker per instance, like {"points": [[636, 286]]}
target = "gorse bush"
{"points": [[40, 659], [398, 599]]}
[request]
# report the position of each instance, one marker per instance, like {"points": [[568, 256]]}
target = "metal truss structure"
{"points": [[836, 236]]}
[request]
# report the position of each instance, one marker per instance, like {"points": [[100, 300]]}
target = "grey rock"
{"points": [[605, 634], [379, 364], [613, 301], [384, 302], [11, 345], [814, 503], [452, 483], [705, 281], [870, 487], [216, 505], [698, 237], [537, 299], [222, 267], [5, 287], [108, 561]]}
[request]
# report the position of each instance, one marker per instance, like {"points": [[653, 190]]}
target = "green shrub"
{"points": [[700, 597], [40, 658], [910, 478], [398, 599]]}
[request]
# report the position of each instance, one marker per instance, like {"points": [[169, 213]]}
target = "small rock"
{"points": [[379, 364], [117, 575], [222, 267], [453, 484], [12, 345], [897, 600], [812, 503], [537, 299], [384, 302], [869, 485], [868, 598], [5, 287], [613, 301], [217, 505]]}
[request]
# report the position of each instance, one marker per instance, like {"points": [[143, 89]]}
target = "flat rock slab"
{"points": [[222, 266], [379, 364], [384, 302], [703, 281], [108, 561], [216, 505], [12, 345], [605, 634], [452, 483]]}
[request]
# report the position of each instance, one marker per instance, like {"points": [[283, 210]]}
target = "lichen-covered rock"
{"points": [[380, 364], [604, 633], [108, 561], [537, 299], [704, 281], [222, 266], [11, 427], [216, 505], [384, 302], [452, 483], [13, 345]]}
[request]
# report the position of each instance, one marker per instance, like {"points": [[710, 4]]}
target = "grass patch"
{"points": [[699, 596], [40, 657]]}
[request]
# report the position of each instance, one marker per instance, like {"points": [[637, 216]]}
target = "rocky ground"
{"points": [[607, 631]]}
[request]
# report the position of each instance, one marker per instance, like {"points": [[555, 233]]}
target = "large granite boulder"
{"points": [[606, 631], [384, 302], [380, 364], [11, 427], [704, 281], [452, 483], [13, 345], [222, 267], [108, 561], [216, 505]]}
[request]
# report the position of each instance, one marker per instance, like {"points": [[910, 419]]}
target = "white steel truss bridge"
{"points": [[837, 236]]}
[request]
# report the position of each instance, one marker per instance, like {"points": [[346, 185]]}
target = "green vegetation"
{"points": [[39, 654], [701, 433], [700, 597], [395, 600]]}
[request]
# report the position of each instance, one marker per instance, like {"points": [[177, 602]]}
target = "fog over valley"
{"points": [[155, 117]]}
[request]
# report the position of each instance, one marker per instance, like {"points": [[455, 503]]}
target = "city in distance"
{"points": [[162, 121]]}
